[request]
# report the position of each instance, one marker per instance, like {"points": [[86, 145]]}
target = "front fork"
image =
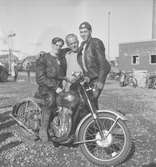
{"points": [[102, 134], [94, 114]]}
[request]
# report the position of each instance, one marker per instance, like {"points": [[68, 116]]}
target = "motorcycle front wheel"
{"points": [[112, 150]]}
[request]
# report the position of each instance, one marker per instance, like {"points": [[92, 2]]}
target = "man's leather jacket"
{"points": [[96, 63], [50, 71]]}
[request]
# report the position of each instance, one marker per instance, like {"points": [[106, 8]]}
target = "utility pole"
{"points": [[109, 15], [10, 43], [154, 20]]}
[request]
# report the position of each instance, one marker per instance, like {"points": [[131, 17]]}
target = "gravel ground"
{"points": [[138, 104]]}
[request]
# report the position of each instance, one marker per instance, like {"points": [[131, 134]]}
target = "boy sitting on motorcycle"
{"points": [[50, 71]]}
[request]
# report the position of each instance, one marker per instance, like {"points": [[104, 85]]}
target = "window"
{"points": [[135, 60], [153, 59]]}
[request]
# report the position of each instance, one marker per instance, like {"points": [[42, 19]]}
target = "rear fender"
{"points": [[118, 114], [26, 100]]}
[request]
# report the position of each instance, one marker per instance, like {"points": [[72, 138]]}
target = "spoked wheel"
{"points": [[154, 84], [110, 150], [28, 114]]}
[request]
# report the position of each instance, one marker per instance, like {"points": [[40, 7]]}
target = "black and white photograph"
{"points": [[77, 83]]}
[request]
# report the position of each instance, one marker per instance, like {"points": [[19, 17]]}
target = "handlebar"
{"points": [[76, 77]]}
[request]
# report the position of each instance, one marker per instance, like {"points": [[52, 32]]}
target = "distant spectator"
{"points": [[16, 73], [28, 66]]}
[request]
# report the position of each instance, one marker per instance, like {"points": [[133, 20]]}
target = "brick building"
{"points": [[138, 56]]}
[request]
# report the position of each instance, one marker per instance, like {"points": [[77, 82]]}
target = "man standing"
{"points": [[50, 71], [71, 56], [91, 58], [28, 66]]}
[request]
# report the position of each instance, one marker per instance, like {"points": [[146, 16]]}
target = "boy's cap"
{"points": [[85, 25]]}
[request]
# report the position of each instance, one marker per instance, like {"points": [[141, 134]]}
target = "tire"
{"points": [[132, 82], [3, 76], [154, 84], [28, 114], [116, 159]]}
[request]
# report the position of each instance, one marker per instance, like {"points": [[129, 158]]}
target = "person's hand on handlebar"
{"points": [[98, 86], [85, 80], [67, 79]]}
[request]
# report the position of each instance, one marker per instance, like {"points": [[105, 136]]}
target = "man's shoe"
{"points": [[69, 141], [55, 144]]}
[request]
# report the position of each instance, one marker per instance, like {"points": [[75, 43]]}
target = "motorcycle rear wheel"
{"points": [[132, 82], [109, 151]]}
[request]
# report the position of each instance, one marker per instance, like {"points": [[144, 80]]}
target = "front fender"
{"points": [[116, 113]]}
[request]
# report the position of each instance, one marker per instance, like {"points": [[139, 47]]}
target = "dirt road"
{"points": [[138, 104]]}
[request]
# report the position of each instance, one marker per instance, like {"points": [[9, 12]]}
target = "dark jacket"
{"points": [[50, 71], [96, 63]]}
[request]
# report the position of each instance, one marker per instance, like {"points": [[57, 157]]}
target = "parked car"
{"points": [[8, 67], [4, 73]]}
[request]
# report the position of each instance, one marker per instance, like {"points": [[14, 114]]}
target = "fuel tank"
{"points": [[68, 99]]}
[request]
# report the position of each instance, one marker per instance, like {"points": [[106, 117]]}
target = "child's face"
{"points": [[57, 47]]}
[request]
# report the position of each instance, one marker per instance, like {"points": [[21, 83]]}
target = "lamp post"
{"points": [[154, 20], [10, 43]]}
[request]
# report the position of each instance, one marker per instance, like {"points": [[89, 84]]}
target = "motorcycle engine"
{"points": [[61, 125]]}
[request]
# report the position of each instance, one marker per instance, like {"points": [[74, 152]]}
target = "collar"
{"points": [[53, 55], [86, 42], [70, 52]]}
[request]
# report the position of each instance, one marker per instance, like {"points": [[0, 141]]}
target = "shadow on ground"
{"points": [[132, 151]]}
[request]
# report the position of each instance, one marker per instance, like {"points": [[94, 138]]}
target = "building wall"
{"points": [[142, 49]]}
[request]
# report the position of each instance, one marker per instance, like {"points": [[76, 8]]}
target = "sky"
{"points": [[36, 22]]}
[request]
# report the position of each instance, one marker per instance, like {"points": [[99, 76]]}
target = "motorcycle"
{"points": [[102, 135], [127, 79], [151, 82]]}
